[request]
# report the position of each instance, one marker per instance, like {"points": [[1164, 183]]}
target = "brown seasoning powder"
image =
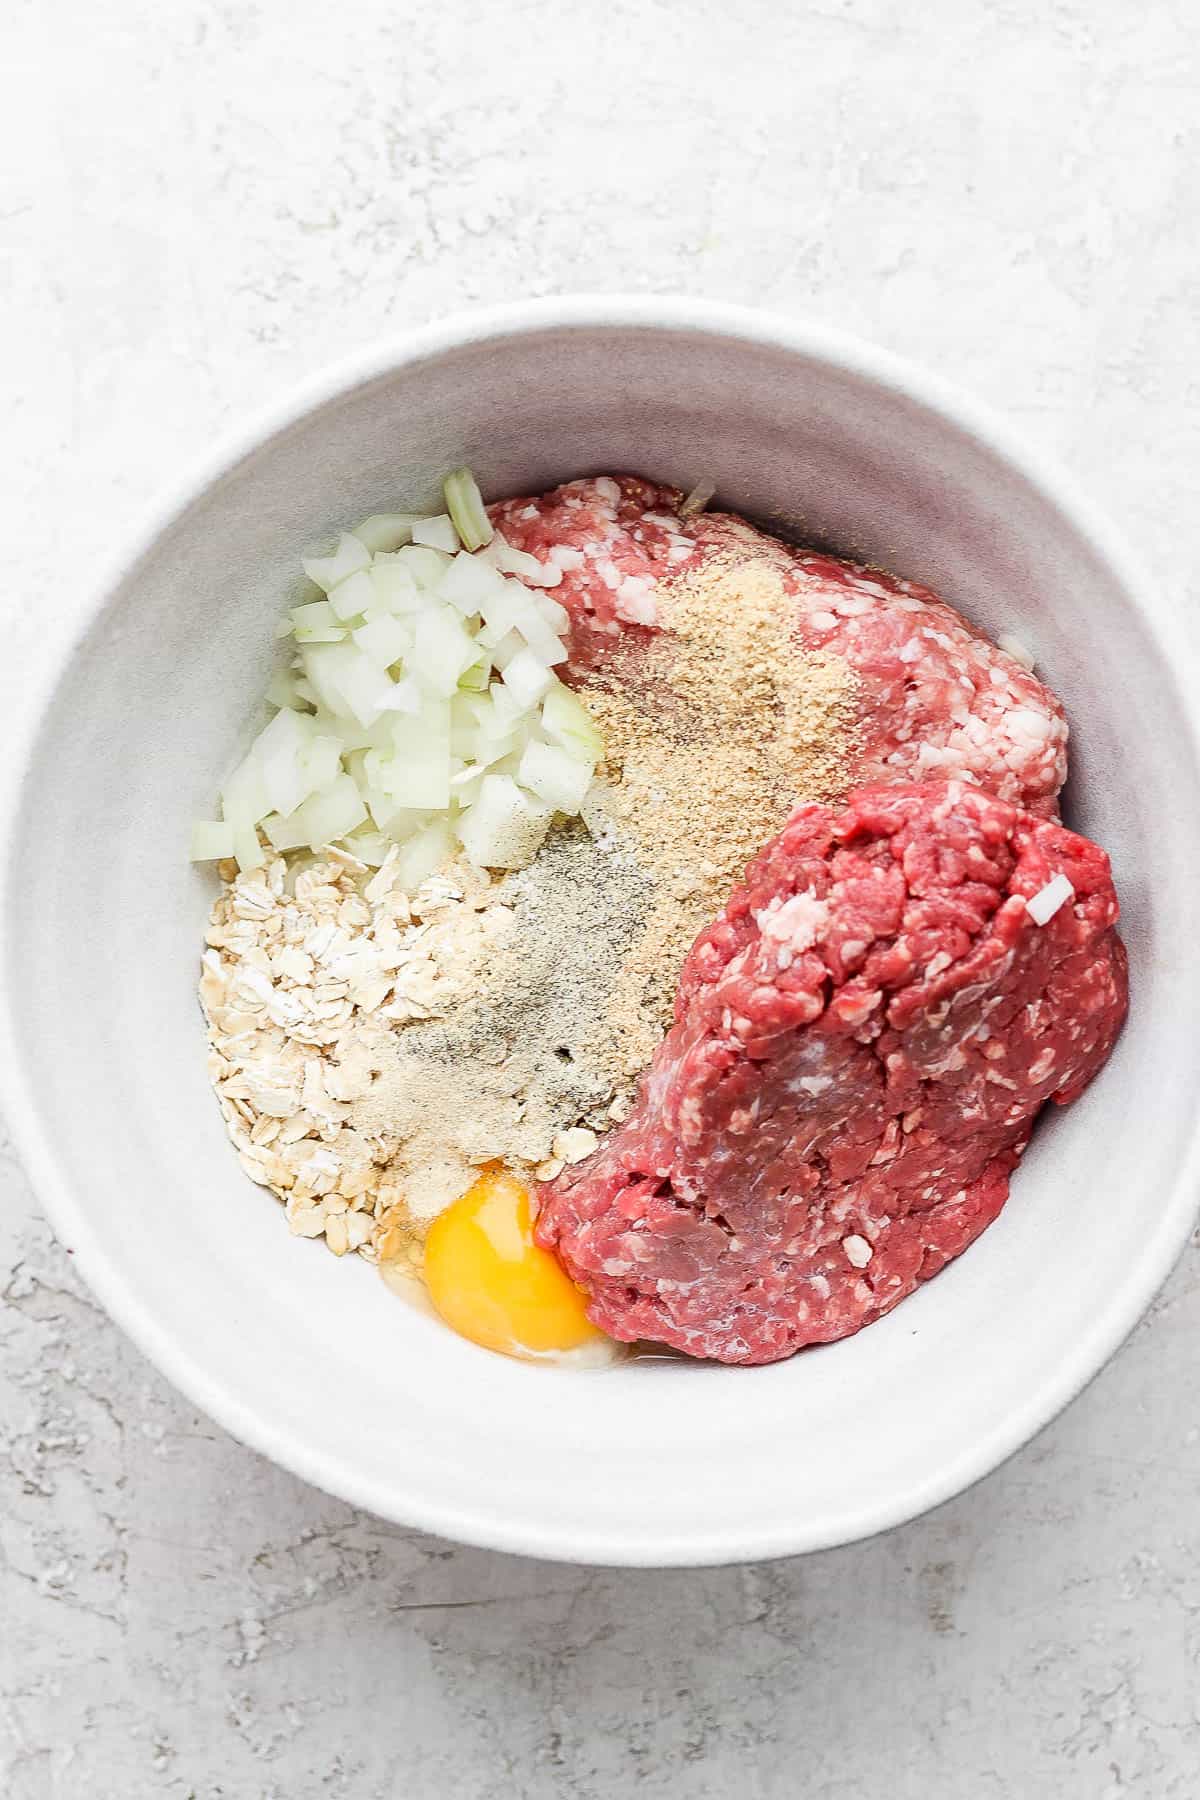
{"points": [[731, 727]]}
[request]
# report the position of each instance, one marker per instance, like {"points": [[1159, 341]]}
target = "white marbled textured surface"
{"points": [[200, 199]]}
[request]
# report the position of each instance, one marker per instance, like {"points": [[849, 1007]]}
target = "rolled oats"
{"points": [[291, 967], [303, 970]]}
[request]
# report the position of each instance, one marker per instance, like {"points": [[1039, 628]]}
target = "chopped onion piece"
{"points": [[332, 813], [249, 852], [383, 640], [1043, 905], [556, 616], [382, 808], [286, 834], [346, 680], [405, 697], [498, 713], [244, 796], [473, 735], [394, 587], [396, 822], [211, 840], [506, 827], [464, 503], [348, 733], [316, 623], [469, 781], [419, 783], [469, 582], [370, 847], [555, 776], [417, 773], [546, 646], [471, 771], [437, 533], [526, 678], [698, 499], [322, 761], [442, 649], [386, 531], [511, 561], [426, 566], [351, 598], [505, 648], [328, 571], [434, 723], [424, 854], [569, 723], [281, 690], [502, 609], [282, 756]]}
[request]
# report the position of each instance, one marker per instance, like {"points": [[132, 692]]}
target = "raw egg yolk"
{"points": [[493, 1284]]}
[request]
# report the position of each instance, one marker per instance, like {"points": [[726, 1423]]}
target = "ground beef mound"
{"points": [[863, 1040], [936, 698]]}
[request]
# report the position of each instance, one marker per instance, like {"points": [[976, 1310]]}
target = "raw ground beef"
{"points": [[863, 1040], [936, 698]]}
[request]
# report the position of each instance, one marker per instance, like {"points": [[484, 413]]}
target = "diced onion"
{"points": [[420, 709], [322, 761], [328, 571], [244, 798], [504, 648], [347, 680], [437, 533], [211, 840], [286, 834], [371, 847], [568, 722], [406, 696], [425, 564], [442, 649], [526, 678], [506, 826], [386, 531], [328, 816], [418, 779], [469, 583], [282, 756], [316, 623], [351, 598], [248, 850], [1048, 900], [464, 503], [557, 617], [394, 588], [698, 499], [383, 640], [425, 853], [554, 776], [281, 690], [511, 561]]}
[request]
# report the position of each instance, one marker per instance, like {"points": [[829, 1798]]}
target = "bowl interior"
{"points": [[313, 1360]]}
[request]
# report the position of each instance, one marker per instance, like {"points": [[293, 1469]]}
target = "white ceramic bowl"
{"points": [[311, 1360]]}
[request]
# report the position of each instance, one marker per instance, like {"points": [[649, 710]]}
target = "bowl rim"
{"points": [[471, 1522]]}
